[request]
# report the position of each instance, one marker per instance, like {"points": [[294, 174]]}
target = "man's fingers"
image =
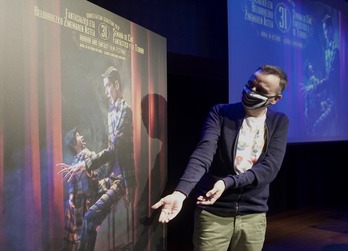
{"points": [[157, 205], [62, 164], [66, 177], [210, 193], [165, 216], [63, 170]]}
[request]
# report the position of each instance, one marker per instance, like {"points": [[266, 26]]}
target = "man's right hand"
{"points": [[171, 206]]}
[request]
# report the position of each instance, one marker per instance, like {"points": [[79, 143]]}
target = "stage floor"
{"points": [[302, 230]]}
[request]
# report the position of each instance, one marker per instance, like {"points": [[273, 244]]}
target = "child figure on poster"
{"points": [[82, 190]]}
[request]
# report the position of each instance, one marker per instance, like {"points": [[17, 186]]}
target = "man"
{"points": [[119, 155], [82, 190], [240, 153], [327, 123]]}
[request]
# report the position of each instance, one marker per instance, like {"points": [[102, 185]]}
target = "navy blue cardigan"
{"points": [[214, 156]]}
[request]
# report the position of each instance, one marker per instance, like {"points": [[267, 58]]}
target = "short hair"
{"points": [[113, 74], [327, 20], [70, 140], [277, 71]]}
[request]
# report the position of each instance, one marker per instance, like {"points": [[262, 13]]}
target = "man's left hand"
{"points": [[212, 195]]}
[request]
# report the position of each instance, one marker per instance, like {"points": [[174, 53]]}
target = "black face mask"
{"points": [[253, 100]]}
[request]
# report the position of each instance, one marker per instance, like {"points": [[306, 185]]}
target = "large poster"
{"points": [[83, 152]]}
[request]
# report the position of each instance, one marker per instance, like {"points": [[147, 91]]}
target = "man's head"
{"points": [[112, 84], [74, 141], [264, 87], [327, 28]]}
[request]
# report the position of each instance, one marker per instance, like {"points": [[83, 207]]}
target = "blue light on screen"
{"points": [[308, 40]]}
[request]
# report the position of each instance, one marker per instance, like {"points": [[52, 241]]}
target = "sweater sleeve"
{"points": [[202, 157]]}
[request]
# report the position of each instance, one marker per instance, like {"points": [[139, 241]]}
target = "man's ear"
{"points": [[117, 84], [276, 99]]}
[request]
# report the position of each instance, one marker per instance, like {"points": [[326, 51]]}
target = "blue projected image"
{"points": [[308, 40]]}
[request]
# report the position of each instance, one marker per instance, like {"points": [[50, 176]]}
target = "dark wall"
{"points": [[312, 174], [192, 27]]}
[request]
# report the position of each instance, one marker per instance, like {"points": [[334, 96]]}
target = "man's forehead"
{"points": [[269, 81], [258, 75]]}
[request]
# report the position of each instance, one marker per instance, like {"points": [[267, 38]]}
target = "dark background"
{"points": [[313, 175]]}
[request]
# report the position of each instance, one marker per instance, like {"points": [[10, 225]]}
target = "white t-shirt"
{"points": [[250, 143]]}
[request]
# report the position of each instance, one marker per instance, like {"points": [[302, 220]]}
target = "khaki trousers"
{"points": [[237, 233]]}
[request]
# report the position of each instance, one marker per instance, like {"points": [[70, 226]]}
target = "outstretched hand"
{"points": [[71, 170], [212, 195], [171, 206]]}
